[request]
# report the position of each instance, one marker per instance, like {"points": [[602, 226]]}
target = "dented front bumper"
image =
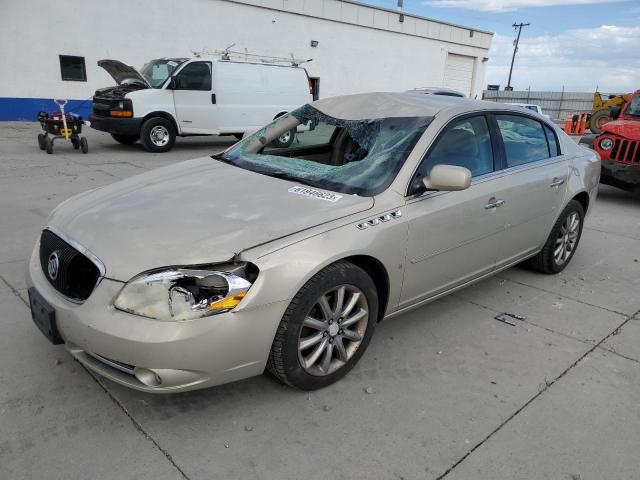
{"points": [[156, 356]]}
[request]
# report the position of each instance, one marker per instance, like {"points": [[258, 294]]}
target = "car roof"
{"points": [[365, 106]]}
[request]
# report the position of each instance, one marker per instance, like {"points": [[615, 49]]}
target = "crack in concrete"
{"points": [[547, 386], [564, 296], [14, 291], [137, 425], [611, 350], [612, 233]]}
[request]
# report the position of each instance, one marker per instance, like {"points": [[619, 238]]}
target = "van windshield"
{"points": [[307, 146], [156, 72]]}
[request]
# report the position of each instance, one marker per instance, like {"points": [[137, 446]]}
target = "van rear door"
{"points": [[195, 100]]}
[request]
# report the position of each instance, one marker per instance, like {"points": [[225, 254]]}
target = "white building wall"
{"points": [[361, 48]]}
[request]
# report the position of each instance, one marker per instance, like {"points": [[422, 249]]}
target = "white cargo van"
{"points": [[173, 97]]}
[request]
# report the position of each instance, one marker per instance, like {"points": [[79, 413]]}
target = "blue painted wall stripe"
{"points": [[14, 108]]}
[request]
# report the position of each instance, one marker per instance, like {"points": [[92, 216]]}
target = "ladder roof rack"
{"points": [[228, 55]]}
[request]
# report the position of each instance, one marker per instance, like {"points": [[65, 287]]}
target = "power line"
{"points": [[515, 50]]}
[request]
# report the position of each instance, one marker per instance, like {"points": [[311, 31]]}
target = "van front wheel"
{"points": [[158, 135]]}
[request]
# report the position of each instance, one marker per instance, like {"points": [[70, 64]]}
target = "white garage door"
{"points": [[458, 73]]}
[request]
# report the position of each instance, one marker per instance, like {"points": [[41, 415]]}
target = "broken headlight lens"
{"points": [[179, 294]]}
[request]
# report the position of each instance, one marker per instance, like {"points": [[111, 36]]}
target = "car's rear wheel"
{"points": [[562, 242], [326, 328]]}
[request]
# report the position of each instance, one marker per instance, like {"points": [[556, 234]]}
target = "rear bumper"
{"points": [[120, 126]]}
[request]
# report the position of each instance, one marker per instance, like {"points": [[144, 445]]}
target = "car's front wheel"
{"points": [[326, 328], [562, 242], [158, 135]]}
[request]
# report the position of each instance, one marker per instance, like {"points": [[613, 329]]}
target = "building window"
{"points": [[72, 68]]}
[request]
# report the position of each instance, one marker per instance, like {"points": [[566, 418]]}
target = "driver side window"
{"points": [[195, 76], [465, 143]]}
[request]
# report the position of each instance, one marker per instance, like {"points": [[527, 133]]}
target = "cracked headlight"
{"points": [[178, 294]]}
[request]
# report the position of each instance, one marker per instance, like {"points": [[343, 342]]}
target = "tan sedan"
{"points": [[211, 270]]}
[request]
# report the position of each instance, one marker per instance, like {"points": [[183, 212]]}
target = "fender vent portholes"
{"points": [[387, 217]]}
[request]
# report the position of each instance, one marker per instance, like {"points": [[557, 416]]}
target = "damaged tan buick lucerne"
{"points": [[285, 256]]}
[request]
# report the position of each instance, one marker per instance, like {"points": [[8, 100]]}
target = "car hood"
{"points": [[194, 212], [625, 128], [122, 73]]}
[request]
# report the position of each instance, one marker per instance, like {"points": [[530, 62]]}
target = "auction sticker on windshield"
{"points": [[313, 193]]}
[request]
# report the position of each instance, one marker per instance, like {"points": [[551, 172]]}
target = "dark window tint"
{"points": [[466, 143], [554, 148], [524, 139], [195, 76], [72, 68]]}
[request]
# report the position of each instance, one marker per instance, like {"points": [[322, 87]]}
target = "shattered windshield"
{"points": [[349, 156], [633, 109], [156, 72]]}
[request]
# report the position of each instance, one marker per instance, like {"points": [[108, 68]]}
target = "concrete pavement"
{"points": [[444, 391]]}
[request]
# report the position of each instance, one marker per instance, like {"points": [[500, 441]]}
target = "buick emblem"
{"points": [[53, 265]]}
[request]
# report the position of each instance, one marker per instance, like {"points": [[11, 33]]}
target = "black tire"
{"points": [[545, 261], [285, 140], [598, 119], [48, 145], [149, 140], [284, 361], [42, 141], [84, 145], [125, 139]]}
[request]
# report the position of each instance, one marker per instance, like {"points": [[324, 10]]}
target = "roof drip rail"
{"points": [[228, 55]]}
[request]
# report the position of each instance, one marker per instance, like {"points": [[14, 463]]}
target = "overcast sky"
{"points": [[578, 44]]}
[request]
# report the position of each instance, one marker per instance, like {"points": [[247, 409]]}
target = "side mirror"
{"points": [[448, 178], [615, 112]]}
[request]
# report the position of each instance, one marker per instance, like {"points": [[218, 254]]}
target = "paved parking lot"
{"points": [[445, 391]]}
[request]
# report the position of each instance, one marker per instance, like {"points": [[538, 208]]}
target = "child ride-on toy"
{"points": [[56, 125]]}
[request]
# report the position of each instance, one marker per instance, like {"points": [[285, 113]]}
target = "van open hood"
{"points": [[122, 73]]}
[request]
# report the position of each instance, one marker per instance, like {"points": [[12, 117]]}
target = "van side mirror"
{"points": [[448, 178], [615, 112]]}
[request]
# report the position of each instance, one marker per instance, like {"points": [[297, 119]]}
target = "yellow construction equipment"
{"points": [[601, 112]]}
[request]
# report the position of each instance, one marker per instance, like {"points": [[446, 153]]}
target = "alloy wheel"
{"points": [[333, 330], [567, 238]]}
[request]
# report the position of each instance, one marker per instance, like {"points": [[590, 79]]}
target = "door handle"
{"points": [[494, 203], [557, 182], [213, 98]]}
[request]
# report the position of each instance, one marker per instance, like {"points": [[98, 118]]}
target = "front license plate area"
{"points": [[44, 316]]}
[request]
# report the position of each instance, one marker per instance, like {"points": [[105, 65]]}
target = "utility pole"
{"points": [[515, 50]]}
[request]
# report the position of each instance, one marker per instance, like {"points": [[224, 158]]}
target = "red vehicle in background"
{"points": [[619, 146]]}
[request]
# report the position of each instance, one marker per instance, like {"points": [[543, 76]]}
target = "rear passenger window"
{"points": [[524, 139], [466, 143], [554, 148]]}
